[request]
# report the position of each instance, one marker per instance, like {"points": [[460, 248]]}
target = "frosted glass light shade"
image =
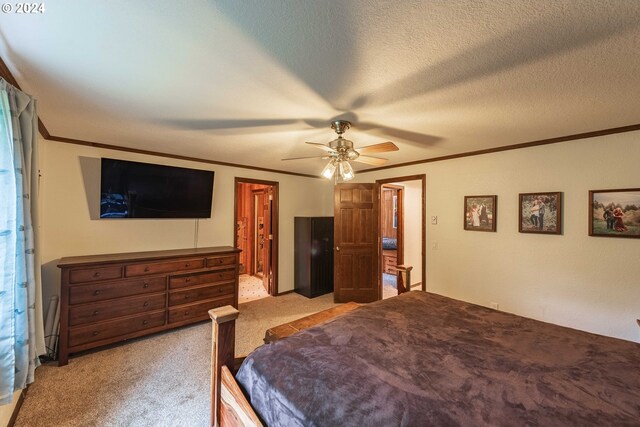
{"points": [[346, 171], [329, 170]]}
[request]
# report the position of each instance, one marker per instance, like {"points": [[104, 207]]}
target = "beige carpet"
{"points": [[250, 289], [162, 380]]}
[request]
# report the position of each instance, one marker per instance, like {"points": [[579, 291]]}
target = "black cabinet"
{"points": [[313, 270]]}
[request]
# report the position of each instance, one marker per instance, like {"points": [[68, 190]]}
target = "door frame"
{"points": [[400, 228], [274, 224], [254, 231], [423, 179]]}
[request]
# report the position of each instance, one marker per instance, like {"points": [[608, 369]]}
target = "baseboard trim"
{"points": [[16, 410], [284, 293], [417, 285]]}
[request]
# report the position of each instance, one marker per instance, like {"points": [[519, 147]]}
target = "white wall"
{"points": [[588, 283], [70, 186]]}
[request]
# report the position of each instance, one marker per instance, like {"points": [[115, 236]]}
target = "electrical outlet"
{"points": [[434, 220], [495, 306]]}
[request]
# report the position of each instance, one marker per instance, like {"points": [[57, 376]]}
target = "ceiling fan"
{"points": [[340, 151]]}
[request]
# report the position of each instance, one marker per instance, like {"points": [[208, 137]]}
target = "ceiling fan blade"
{"points": [[308, 157], [414, 138], [378, 148], [375, 161], [322, 147]]}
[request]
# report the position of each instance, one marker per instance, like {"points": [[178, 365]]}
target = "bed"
{"points": [[424, 359]]}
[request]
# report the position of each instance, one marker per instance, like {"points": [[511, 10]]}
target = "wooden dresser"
{"points": [[110, 298], [389, 261]]}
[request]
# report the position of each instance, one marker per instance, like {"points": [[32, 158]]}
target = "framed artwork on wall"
{"points": [[480, 213], [540, 213], [614, 213]]}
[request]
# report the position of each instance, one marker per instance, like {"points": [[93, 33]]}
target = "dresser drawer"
{"points": [[100, 331], [96, 312], [200, 293], [221, 260], [81, 275], [201, 278], [108, 290], [147, 268], [197, 311]]}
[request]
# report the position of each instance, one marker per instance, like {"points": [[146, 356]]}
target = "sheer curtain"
{"points": [[21, 328]]}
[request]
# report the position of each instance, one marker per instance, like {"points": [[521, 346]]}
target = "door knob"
{"points": [[338, 248]]}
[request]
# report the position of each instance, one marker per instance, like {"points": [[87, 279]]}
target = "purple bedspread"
{"points": [[423, 359]]}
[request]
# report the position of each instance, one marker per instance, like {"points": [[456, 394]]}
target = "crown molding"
{"points": [[547, 141], [172, 156]]}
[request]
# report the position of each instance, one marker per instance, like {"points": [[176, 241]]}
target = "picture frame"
{"points": [[480, 213], [614, 213], [540, 213]]}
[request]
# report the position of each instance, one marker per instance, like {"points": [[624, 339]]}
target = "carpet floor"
{"points": [[389, 287], [161, 380], [250, 288]]}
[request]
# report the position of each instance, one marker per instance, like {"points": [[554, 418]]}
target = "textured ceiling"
{"points": [[249, 81]]}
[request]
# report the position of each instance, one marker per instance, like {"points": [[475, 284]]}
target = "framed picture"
{"points": [[614, 213], [480, 213], [540, 213]]}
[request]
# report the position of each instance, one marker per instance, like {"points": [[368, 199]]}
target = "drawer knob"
{"points": [[94, 333], [186, 265], [186, 313], [97, 292], [95, 313], [146, 304], [146, 269], [145, 285], [188, 279], [145, 322], [186, 296], [96, 274]]}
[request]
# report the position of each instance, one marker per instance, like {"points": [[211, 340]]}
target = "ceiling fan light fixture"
{"points": [[352, 154], [329, 170], [346, 171]]}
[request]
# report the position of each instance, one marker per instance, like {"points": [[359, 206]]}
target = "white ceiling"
{"points": [[249, 81]]}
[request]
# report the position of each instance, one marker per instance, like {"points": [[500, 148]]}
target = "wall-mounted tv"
{"points": [[144, 190]]}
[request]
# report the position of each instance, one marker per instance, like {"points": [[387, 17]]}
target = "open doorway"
{"points": [[402, 231], [391, 234], [256, 223]]}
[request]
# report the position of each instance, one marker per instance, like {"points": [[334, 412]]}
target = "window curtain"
{"points": [[21, 326]]}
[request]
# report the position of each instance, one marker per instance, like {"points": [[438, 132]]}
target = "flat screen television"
{"points": [[144, 190]]}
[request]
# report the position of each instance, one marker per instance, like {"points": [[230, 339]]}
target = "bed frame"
{"points": [[229, 406]]}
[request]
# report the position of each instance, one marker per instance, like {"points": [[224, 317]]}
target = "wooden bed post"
{"points": [[222, 352], [404, 278]]}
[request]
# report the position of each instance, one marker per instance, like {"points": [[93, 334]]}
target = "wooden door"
{"points": [[356, 243], [267, 273]]}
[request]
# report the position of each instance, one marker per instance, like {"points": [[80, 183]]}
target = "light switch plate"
{"points": [[434, 220]]}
